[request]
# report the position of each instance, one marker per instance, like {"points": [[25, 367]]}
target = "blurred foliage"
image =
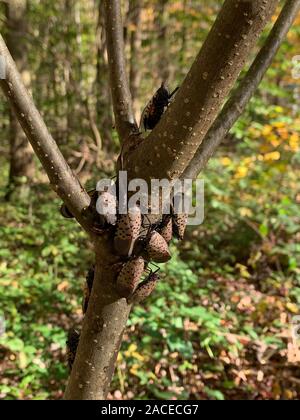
{"points": [[219, 324]]}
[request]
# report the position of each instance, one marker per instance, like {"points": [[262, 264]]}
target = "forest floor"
{"points": [[219, 325]]}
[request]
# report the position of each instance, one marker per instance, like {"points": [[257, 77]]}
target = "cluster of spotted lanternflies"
{"points": [[137, 242]]}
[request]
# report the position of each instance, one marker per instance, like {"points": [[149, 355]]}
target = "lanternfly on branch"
{"points": [[156, 107], [145, 288]]}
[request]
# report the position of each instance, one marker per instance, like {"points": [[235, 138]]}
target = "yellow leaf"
{"points": [[245, 212], [241, 172], [272, 137], [294, 138], [272, 156], [138, 356], [275, 143], [279, 124], [279, 109], [294, 142], [283, 132], [289, 394], [23, 361], [131, 349], [135, 369], [243, 271], [226, 161], [292, 307], [267, 130], [249, 160]]}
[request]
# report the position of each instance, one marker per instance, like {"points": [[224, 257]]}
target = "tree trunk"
{"points": [[21, 155], [102, 331]]}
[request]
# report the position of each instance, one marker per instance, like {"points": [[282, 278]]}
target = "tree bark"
{"points": [[22, 167], [102, 331]]}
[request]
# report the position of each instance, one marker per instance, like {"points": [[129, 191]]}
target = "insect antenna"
{"points": [[173, 93]]}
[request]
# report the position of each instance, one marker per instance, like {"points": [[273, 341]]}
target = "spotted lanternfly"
{"points": [[107, 207], [179, 225], [88, 289], [157, 248], [144, 289], [127, 232], [156, 107], [65, 212], [130, 276], [166, 230], [72, 344]]}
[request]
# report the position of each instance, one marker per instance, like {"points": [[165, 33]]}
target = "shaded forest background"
{"points": [[219, 324]]}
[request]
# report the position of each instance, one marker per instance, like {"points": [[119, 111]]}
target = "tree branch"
{"points": [[61, 177], [167, 151], [122, 101], [236, 105]]}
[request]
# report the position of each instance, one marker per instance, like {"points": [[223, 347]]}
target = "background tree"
{"points": [[135, 11], [21, 155]]}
